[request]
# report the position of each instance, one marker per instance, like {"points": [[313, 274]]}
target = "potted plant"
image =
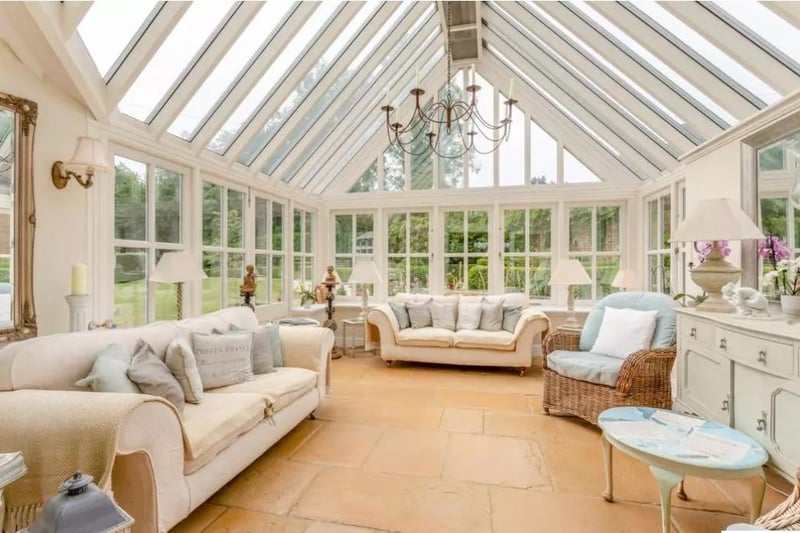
{"points": [[307, 296], [693, 300], [786, 280]]}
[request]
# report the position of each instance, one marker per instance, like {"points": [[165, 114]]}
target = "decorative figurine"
{"points": [[330, 280], [749, 302], [248, 288]]}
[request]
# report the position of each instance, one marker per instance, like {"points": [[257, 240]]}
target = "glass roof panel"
{"points": [[315, 74], [258, 33], [656, 63], [200, 22], [324, 132], [283, 64], [713, 54], [108, 28], [767, 24], [576, 172], [335, 90]]}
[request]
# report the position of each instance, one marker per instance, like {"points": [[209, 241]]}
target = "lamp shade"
{"points": [[717, 219], [177, 267], [92, 153], [569, 272], [365, 272], [625, 279]]}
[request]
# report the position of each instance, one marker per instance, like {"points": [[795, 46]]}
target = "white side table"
{"points": [[353, 325]]}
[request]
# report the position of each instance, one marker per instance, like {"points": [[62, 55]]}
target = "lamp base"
{"points": [[711, 275]]}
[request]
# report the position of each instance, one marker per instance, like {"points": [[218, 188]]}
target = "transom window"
{"points": [[527, 251], [466, 250], [408, 252], [594, 239]]}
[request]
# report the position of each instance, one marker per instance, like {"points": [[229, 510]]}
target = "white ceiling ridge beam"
{"points": [[699, 118], [141, 54], [78, 69], [562, 128], [72, 14], [345, 140], [316, 48], [17, 42], [318, 92], [576, 96], [354, 167], [729, 94], [178, 97], [410, 54], [628, 156], [262, 60], [665, 126], [771, 65], [304, 145], [788, 10]]}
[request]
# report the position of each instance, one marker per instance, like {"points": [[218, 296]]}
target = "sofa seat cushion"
{"points": [[278, 389], [430, 337], [215, 423], [586, 366], [490, 340]]}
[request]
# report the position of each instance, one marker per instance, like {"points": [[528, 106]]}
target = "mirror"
{"points": [[17, 218]]}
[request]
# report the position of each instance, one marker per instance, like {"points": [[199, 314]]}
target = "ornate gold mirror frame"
{"points": [[23, 220]]}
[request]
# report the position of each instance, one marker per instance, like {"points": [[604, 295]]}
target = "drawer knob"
{"points": [[762, 356], [761, 423], [723, 344], [726, 404], [693, 333]]}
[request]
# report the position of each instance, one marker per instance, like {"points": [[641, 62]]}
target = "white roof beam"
{"points": [[734, 98], [354, 48], [699, 118], [178, 97], [617, 88], [316, 48], [774, 67], [263, 59], [72, 14], [305, 146], [789, 10], [593, 109]]}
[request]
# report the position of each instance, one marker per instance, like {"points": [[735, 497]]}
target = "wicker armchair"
{"points": [[785, 517], [644, 378]]}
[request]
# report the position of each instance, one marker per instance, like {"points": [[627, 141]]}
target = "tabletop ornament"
{"points": [[748, 301]]}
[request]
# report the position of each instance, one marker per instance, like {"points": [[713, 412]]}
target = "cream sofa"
{"points": [[462, 347], [154, 478]]}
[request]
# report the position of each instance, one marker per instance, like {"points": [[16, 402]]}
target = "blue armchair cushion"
{"points": [[666, 321], [586, 366]]}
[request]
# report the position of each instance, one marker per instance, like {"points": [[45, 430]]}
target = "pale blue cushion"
{"points": [[110, 372], [586, 366], [666, 321], [400, 311], [744, 527]]}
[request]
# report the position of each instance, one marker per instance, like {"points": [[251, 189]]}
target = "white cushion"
{"points": [[491, 316], [624, 332], [469, 314], [477, 338], [586, 366], [443, 316], [431, 337]]}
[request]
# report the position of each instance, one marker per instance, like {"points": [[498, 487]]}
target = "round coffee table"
{"points": [[675, 445]]}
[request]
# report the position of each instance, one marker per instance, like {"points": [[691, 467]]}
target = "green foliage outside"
{"points": [[5, 270]]}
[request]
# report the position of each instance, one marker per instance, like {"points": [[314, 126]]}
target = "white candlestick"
{"points": [[511, 88], [417, 84], [80, 280], [472, 74]]}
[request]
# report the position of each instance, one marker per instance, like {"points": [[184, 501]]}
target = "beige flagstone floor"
{"points": [[425, 448]]}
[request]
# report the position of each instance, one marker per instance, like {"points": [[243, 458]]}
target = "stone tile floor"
{"points": [[425, 448]]}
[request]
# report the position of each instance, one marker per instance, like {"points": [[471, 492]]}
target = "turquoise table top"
{"points": [[681, 438]]}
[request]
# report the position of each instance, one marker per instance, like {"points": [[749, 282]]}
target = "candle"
{"points": [[511, 88], [80, 280], [417, 85], [472, 74]]}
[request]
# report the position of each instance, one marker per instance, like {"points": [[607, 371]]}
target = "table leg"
{"points": [[608, 465], [682, 492], [757, 495], [666, 481]]}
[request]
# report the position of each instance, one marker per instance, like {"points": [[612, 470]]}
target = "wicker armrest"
{"points": [[560, 340], [648, 368]]}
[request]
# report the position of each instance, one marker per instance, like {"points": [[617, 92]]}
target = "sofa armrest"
{"points": [[560, 340], [531, 318], [308, 347], [385, 320]]}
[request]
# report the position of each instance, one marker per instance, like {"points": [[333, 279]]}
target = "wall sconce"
{"points": [[89, 154]]}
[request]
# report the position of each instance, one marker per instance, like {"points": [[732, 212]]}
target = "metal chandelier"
{"points": [[459, 120]]}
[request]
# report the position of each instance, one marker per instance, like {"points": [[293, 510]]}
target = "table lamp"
{"points": [[625, 279], [715, 220], [177, 268], [569, 273], [364, 273]]}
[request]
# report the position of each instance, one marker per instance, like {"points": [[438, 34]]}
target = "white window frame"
{"points": [[527, 254], [270, 253], [593, 253], [664, 281], [305, 253], [407, 255], [466, 255], [347, 290]]}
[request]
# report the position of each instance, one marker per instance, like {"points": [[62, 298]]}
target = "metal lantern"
{"points": [[80, 507]]}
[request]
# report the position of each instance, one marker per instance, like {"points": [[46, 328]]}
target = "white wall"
{"points": [[61, 215]]}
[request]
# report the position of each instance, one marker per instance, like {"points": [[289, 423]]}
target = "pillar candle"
{"points": [[511, 88], [80, 281]]}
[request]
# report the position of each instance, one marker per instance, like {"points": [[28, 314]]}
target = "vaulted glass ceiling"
{"points": [[290, 91]]}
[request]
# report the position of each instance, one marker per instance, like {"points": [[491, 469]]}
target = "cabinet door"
{"points": [[783, 423], [705, 384], [751, 404]]}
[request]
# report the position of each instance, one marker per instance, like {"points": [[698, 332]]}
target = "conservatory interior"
{"points": [[271, 266]]}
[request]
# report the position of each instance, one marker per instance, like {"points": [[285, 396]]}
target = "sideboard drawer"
{"points": [[698, 331], [755, 351]]}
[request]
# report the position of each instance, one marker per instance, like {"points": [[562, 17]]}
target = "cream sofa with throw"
{"points": [[473, 347], [165, 464]]}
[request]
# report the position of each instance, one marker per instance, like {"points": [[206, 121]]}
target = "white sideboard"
{"points": [[743, 372]]}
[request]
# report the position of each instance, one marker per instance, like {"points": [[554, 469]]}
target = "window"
{"points": [[269, 251], [576, 172], [355, 234], [594, 239], [394, 178], [408, 252], [450, 164], [421, 156], [368, 182], [527, 251], [658, 248], [511, 155], [223, 245], [544, 156], [466, 250], [303, 251], [481, 165], [148, 221]]}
